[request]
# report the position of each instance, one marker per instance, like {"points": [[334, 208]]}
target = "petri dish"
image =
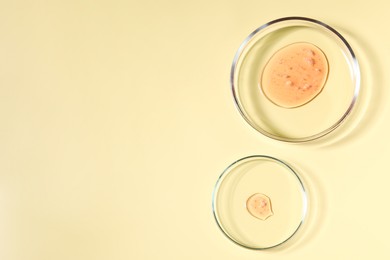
{"points": [[314, 119], [284, 202]]}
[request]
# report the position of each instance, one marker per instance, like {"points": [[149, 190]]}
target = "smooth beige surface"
{"points": [[117, 119]]}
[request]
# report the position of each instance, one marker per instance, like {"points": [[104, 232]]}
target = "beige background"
{"points": [[117, 119]]}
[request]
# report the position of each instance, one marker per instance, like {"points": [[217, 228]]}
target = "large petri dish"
{"points": [[285, 202], [316, 118]]}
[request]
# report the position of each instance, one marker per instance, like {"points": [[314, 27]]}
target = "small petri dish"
{"points": [[259, 202], [317, 117]]}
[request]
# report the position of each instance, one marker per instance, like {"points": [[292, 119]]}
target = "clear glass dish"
{"points": [[314, 119], [278, 183]]}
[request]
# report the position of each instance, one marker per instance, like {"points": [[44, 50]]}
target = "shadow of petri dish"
{"points": [[373, 90], [316, 118], [315, 217]]}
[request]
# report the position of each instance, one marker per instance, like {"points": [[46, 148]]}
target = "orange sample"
{"points": [[295, 75], [259, 206]]}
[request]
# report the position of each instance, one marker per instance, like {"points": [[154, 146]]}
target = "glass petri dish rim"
{"points": [[354, 64], [267, 157]]}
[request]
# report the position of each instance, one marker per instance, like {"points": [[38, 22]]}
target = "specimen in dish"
{"points": [[295, 75], [259, 206]]}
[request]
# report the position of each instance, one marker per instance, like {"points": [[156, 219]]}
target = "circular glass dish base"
{"points": [[284, 204], [313, 119]]}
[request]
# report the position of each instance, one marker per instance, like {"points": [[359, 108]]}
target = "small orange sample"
{"points": [[295, 75], [259, 206]]}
